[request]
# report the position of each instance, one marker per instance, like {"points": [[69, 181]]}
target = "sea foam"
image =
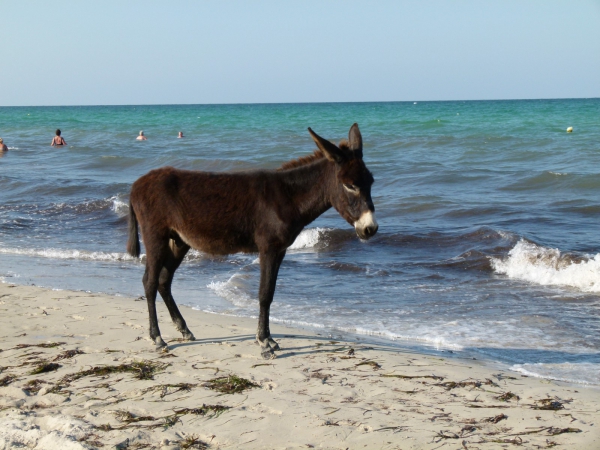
{"points": [[309, 238], [54, 253], [549, 267]]}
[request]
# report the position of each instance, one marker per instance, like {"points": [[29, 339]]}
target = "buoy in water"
{"points": [[570, 130]]}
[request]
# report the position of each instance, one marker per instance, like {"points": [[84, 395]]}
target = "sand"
{"points": [[317, 393]]}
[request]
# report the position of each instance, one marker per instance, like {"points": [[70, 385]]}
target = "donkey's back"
{"points": [[216, 213]]}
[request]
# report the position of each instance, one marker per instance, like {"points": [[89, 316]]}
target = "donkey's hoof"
{"points": [[274, 345], [188, 336], [267, 353], [161, 345]]}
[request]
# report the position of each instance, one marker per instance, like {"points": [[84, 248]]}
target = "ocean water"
{"points": [[489, 237]]}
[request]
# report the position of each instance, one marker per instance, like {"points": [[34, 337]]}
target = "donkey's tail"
{"points": [[133, 243]]}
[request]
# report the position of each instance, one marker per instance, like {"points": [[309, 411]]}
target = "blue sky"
{"points": [[155, 52]]}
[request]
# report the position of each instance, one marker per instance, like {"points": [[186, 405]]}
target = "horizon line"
{"points": [[299, 103]]}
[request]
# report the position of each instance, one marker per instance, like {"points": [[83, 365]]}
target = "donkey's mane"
{"points": [[304, 160]]}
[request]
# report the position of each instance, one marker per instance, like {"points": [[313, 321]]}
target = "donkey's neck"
{"points": [[308, 187]]}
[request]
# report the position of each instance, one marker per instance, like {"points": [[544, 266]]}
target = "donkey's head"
{"points": [[351, 190]]}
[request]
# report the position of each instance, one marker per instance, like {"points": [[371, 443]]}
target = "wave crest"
{"points": [[549, 267]]}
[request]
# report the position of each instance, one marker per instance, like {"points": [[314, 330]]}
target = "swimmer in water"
{"points": [[141, 137], [180, 135], [3, 147], [58, 141]]}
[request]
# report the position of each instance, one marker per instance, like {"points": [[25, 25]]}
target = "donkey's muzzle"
{"points": [[366, 226]]}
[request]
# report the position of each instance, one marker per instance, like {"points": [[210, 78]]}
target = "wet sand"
{"points": [[102, 385]]}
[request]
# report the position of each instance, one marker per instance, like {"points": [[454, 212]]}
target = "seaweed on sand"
{"points": [[127, 417], [45, 367], [549, 404], [409, 377], [33, 386], [373, 364], [67, 354], [231, 384], [142, 370], [167, 389], [508, 396], [495, 419], [208, 411], [5, 381], [192, 442], [44, 345], [462, 384]]}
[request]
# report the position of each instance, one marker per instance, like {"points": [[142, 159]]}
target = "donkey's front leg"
{"points": [[269, 268]]}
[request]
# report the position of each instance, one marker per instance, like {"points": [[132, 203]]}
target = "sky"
{"points": [[73, 52]]}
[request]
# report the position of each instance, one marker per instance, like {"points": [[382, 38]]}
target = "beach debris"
{"points": [[263, 364], [142, 370], [373, 364], [507, 396], [514, 441], [44, 345], [5, 381], [192, 442], [33, 386], [208, 411], [395, 429], [231, 384], [45, 367], [168, 389], [127, 417], [552, 431], [549, 404], [409, 377], [495, 419], [320, 376], [68, 354], [329, 423], [556, 431]]}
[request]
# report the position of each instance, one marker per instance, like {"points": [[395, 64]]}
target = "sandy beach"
{"points": [[77, 370]]}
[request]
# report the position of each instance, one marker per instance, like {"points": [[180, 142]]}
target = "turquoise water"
{"points": [[488, 242]]}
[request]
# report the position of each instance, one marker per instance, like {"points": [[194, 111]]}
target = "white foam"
{"points": [[547, 267], [581, 373], [119, 206], [232, 290], [309, 238], [67, 254]]}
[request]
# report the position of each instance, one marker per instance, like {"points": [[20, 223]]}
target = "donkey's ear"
{"points": [[332, 152], [355, 139]]}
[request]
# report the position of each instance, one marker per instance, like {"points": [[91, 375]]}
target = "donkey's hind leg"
{"points": [[156, 252], [175, 254]]}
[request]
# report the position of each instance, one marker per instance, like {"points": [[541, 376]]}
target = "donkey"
{"points": [[259, 211]]}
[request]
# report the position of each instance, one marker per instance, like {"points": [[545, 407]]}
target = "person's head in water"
{"points": [[180, 135], [58, 132], [141, 132]]}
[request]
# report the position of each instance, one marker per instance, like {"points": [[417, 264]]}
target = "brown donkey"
{"points": [[255, 211]]}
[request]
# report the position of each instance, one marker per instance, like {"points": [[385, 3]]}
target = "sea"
{"points": [[489, 232]]}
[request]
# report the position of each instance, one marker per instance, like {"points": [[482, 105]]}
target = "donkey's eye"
{"points": [[351, 188]]}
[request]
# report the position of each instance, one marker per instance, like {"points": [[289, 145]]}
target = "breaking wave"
{"points": [[311, 238], [549, 267]]}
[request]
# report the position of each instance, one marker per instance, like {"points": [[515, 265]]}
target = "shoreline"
{"points": [[317, 393]]}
